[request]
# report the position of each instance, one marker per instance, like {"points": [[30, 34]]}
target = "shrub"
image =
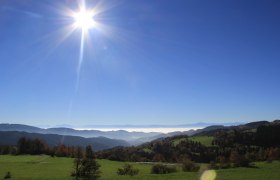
{"points": [[223, 162], [238, 160], [213, 165], [162, 169], [127, 170], [7, 175], [189, 166]]}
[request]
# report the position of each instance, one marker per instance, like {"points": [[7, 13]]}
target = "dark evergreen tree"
{"points": [[78, 162], [89, 165]]}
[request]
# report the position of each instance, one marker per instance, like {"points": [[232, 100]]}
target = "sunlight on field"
{"points": [[209, 175]]}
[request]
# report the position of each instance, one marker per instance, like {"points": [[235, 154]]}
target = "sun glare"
{"points": [[84, 20]]}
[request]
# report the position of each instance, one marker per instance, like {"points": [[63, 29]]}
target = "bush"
{"points": [[162, 169], [213, 165], [238, 160], [127, 170], [7, 175], [189, 166], [223, 162]]}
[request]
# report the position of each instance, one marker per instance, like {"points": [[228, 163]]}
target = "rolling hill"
{"points": [[120, 134]]}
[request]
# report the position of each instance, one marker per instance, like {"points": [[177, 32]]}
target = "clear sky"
{"points": [[149, 62]]}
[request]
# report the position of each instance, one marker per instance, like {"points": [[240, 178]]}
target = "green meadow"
{"points": [[46, 167], [204, 140]]}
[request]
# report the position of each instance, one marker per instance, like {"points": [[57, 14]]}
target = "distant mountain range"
{"points": [[133, 138], [119, 134], [116, 134], [130, 126], [98, 143], [10, 133]]}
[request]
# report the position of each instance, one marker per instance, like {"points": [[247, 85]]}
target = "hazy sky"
{"points": [[150, 62]]}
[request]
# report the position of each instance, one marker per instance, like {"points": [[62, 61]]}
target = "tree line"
{"points": [[39, 146]]}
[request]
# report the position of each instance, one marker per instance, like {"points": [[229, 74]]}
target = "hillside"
{"points": [[249, 142], [252, 126]]}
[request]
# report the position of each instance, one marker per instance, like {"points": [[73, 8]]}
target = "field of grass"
{"points": [[45, 167], [205, 140]]}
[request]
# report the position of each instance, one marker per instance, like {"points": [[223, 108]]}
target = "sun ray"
{"points": [[64, 33], [81, 58], [83, 19]]}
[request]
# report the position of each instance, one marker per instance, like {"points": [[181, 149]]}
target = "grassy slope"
{"points": [[205, 140], [45, 167]]}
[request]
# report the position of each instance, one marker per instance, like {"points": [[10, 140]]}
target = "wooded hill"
{"points": [[242, 144]]}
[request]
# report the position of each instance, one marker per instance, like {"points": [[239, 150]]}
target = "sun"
{"points": [[84, 19]]}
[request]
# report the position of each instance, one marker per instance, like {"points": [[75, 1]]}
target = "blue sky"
{"points": [[156, 62]]}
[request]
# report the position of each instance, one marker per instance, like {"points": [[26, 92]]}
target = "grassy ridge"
{"points": [[45, 167]]}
